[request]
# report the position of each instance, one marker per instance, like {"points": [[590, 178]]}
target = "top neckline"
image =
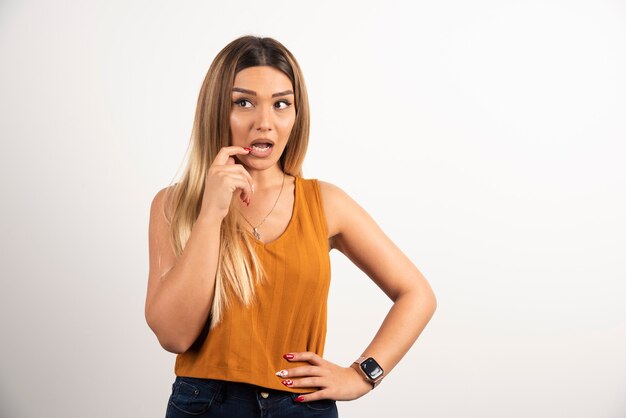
{"points": [[296, 199]]}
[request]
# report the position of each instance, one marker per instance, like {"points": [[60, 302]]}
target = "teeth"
{"points": [[261, 148]]}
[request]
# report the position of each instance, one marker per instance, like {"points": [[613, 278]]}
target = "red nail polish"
{"points": [[248, 149], [288, 356], [299, 399], [287, 382]]}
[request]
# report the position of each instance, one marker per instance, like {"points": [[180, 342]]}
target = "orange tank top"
{"points": [[289, 313]]}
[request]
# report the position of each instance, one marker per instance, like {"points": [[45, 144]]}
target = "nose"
{"points": [[264, 118]]}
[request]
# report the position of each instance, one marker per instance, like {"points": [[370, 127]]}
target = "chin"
{"points": [[262, 165]]}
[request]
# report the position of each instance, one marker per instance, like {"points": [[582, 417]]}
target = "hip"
{"points": [[197, 397]]}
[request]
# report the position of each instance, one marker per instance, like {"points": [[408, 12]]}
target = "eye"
{"points": [[285, 102], [240, 101]]}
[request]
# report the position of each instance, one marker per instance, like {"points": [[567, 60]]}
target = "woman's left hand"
{"points": [[334, 382]]}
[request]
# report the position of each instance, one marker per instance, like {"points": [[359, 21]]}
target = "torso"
{"points": [[248, 344]]}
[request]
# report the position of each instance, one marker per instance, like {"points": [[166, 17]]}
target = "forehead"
{"points": [[265, 80]]}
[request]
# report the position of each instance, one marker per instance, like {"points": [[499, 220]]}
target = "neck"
{"points": [[263, 179]]}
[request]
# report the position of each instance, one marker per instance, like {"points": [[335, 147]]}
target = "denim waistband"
{"points": [[240, 390]]}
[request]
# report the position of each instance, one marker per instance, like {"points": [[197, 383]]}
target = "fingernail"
{"points": [[288, 356], [299, 399], [248, 149], [287, 382], [282, 373]]}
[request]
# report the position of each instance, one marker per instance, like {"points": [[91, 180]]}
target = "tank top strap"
{"points": [[311, 206]]}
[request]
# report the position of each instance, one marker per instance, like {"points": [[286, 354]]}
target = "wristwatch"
{"points": [[370, 370]]}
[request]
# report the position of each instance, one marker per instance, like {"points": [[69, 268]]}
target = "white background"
{"points": [[486, 138]]}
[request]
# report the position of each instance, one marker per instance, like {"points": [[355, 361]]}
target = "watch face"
{"points": [[371, 368]]}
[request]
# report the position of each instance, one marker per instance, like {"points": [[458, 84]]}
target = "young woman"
{"points": [[239, 255]]}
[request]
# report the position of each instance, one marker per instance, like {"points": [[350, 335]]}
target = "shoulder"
{"points": [[349, 222], [332, 193], [332, 196], [338, 206], [162, 203], [329, 192]]}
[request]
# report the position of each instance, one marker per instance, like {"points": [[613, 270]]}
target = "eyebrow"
{"points": [[253, 93]]}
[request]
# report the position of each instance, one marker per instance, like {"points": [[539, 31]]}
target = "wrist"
{"points": [[210, 218], [361, 385], [369, 369]]}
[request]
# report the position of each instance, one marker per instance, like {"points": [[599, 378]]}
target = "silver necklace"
{"points": [[255, 229]]}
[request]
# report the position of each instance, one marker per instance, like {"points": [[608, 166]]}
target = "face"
{"points": [[263, 113]]}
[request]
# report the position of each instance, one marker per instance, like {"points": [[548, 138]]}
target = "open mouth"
{"points": [[262, 146], [261, 149]]}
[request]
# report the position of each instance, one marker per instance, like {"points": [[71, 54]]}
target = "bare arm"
{"points": [[180, 291], [361, 240]]}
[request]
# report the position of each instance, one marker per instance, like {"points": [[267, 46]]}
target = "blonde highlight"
{"points": [[239, 267]]}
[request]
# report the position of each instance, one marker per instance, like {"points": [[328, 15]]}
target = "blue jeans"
{"points": [[195, 397]]}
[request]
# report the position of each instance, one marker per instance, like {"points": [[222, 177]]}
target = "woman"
{"points": [[239, 255]]}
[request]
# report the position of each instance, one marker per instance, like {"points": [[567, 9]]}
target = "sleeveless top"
{"points": [[288, 313]]}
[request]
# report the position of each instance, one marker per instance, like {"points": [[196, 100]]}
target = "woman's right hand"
{"points": [[223, 178]]}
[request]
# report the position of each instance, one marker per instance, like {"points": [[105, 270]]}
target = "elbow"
{"points": [[170, 341], [432, 303], [424, 297], [428, 299], [172, 346]]}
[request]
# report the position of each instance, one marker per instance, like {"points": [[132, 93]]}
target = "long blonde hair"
{"points": [[238, 266]]}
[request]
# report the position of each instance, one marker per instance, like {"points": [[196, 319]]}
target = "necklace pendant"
{"points": [[256, 233]]}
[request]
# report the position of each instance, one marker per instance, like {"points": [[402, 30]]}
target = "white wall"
{"points": [[485, 137]]}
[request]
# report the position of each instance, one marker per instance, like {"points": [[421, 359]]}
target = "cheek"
{"points": [[236, 121], [237, 126], [287, 124]]}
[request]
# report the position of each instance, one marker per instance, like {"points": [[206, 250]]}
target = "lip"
{"points": [[258, 153], [261, 140]]}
